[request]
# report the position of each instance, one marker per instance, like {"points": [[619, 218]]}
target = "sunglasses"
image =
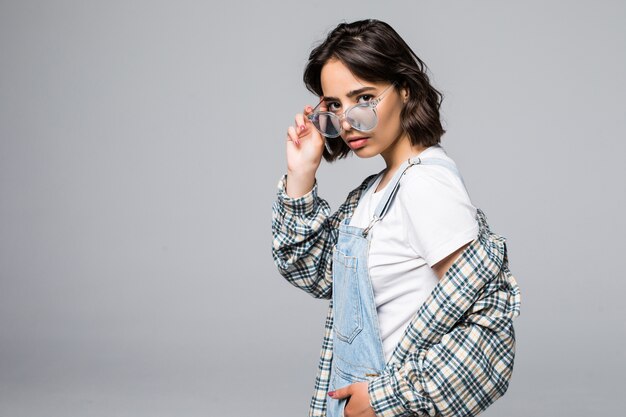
{"points": [[361, 117]]}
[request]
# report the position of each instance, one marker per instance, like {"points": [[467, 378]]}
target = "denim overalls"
{"points": [[357, 347]]}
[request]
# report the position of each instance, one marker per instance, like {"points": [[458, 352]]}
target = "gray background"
{"points": [[140, 147]]}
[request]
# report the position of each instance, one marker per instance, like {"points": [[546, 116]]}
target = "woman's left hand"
{"points": [[358, 404]]}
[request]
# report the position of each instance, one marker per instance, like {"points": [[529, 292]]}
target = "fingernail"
{"points": [[331, 393], [301, 128]]}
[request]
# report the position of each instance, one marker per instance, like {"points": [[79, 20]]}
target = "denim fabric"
{"points": [[357, 347]]}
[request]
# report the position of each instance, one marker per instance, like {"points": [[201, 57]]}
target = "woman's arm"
{"points": [[443, 265], [460, 353], [304, 234], [302, 228], [303, 238]]}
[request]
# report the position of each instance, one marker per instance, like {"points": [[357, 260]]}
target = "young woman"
{"points": [[422, 301]]}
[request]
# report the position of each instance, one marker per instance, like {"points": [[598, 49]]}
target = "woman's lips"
{"points": [[357, 143]]}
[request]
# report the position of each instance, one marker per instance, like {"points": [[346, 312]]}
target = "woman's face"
{"points": [[340, 87]]}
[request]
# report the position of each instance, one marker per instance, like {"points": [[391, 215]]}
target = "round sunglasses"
{"points": [[361, 117]]}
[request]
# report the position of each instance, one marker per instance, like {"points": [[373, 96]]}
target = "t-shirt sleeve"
{"points": [[439, 215]]}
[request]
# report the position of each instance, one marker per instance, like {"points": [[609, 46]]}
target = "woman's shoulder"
{"points": [[435, 170], [434, 189]]}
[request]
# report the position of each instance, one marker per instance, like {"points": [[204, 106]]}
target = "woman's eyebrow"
{"points": [[352, 93]]}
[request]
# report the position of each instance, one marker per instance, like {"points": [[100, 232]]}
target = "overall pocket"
{"points": [[348, 320], [340, 379]]}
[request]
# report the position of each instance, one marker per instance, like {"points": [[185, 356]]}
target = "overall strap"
{"points": [[394, 184]]}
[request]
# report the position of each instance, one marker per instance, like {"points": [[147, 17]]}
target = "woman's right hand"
{"points": [[305, 147]]}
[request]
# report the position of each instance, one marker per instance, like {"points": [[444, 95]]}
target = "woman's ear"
{"points": [[404, 93]]}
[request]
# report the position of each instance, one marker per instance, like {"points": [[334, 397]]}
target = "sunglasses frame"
{"points": [[372, 104]]}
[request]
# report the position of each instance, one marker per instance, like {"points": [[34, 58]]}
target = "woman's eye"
{"points": [[333, 106]]}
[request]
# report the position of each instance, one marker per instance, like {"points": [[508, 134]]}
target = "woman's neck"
{"points": [[400, 152]]}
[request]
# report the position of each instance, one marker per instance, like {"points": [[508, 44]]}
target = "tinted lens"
{"points": [[362, 117], [327, 124]]}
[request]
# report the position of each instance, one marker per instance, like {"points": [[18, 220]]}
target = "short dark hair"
{"points": [[374, 51]]}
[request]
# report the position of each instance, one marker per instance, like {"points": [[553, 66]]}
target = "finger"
{"points": [[308, 111], [300, 125], [292, 135], [340, 393]]}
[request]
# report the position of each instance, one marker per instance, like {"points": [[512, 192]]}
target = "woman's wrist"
{"points": [[299, 183]]}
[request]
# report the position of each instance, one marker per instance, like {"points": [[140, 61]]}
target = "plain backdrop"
{"points": [[140, 147]]}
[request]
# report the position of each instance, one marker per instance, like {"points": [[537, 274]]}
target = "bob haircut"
{"points": [[374, 51]]}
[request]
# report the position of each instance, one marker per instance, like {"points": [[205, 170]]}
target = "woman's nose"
{"points": [[346, 126]]}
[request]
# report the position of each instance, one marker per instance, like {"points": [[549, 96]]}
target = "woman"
{"points": [[422, 301]]}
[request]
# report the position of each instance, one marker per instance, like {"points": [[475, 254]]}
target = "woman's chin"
{"points": [[365, 152]]}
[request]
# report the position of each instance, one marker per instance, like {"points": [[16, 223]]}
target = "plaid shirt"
{"points": [[456, 355]]}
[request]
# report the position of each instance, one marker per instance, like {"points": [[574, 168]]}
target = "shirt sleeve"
{"points": [[460, 358], [438, 212], [304, 233], [302, 240]]}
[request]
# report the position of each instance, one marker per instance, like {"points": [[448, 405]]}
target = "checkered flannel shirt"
{"points": [[455, 357]]}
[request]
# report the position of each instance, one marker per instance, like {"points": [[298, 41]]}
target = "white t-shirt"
{"points": [[430, 217]]}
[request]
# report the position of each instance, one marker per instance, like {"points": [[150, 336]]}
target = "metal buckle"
{"points": [[367, 229], [417, 161]]}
